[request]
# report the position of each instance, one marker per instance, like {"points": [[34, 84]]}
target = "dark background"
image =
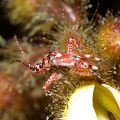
{"points": [[8, 30]]}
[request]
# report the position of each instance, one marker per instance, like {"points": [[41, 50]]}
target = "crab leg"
{"points": [[53, 78]]}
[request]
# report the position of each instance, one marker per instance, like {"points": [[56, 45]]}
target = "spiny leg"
{"points": [[53, 78], [70, 46]]}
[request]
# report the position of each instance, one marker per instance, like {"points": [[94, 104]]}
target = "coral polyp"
{"points": [[109, 40]]}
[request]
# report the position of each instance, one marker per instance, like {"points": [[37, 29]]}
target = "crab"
{"points": [[83, 65]]}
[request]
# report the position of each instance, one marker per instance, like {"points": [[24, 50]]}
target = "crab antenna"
{"points": [[15, 38], [20, 62], [27, 65]]}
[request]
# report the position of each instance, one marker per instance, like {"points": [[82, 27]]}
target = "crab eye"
{"points": [[85, 65]]}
